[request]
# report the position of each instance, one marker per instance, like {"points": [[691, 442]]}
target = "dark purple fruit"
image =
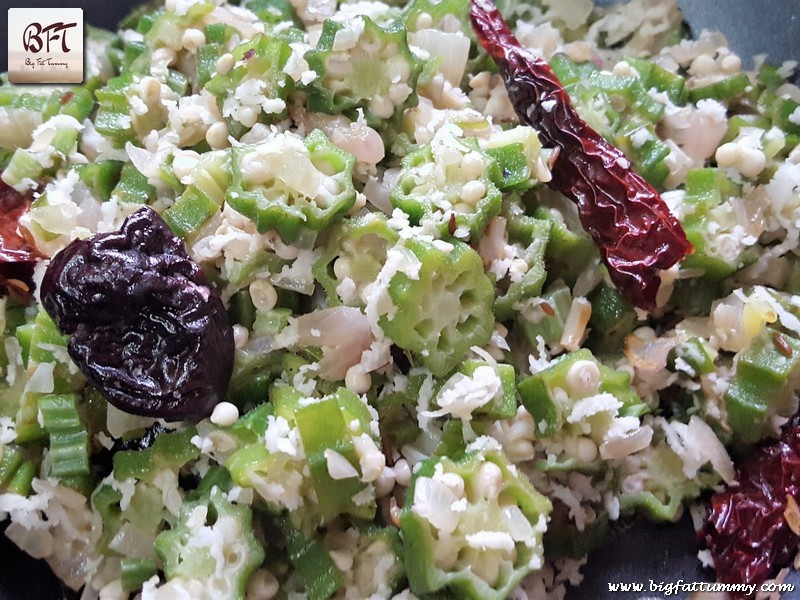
{"points": [[145, 326]]}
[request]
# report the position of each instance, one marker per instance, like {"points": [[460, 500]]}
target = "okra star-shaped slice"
{"points": [[472, 525], [362, 65], [289, 183]]}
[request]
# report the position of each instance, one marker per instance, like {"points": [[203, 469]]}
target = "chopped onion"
{"points": [[433, 501], [518, 524], [493, 242], [342, 331], [452, 48]]}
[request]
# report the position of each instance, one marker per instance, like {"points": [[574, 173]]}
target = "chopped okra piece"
{"points": [[362, 65], [317, 461], [69, 439], [516, 152], [712, 226], [654, 76], [445, 309], [101, 177], [449, 183], [764, 384], [375, 552], [170, 450], [657, 483], [637, 138], [354, 256], [692, 357], [312, 561], [611, 320], [529, 236], [443, 15], [291, 184], [208, 177], [569, 249], [576, 390], [223, 568], [133, 186], [544, 317], [504, 404], [256, 84], [473, 525]]}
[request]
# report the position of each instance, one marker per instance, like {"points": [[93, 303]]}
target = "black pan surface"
{"points": [[636, 552]]}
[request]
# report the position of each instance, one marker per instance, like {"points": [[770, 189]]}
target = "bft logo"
{"points": [[45, 45], [32, 36]]}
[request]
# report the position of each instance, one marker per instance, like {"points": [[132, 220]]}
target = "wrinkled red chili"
{"points": [[18, 253], [745, 529], [629, 222]]}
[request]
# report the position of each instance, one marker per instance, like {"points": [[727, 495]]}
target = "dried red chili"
{"points": [[627, 219], [746, 530], [18, 253]]}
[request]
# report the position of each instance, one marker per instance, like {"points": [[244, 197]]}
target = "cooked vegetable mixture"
{"points": [[297, 300]]}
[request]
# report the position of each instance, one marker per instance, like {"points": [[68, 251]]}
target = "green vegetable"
{"points": [[356, 250], [448, 183], [551, 394], [763, 385], [377, 73], [258, 71], [133, 187], [323, 429], [446, 550], [291, 184], [68, 458], [184, 554], [171, 450], [319, 574], [445, 310]]}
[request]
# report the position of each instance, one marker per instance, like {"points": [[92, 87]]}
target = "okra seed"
{"points": [[586, 450], [472, 191], [263, 295], [151, 90], [361, 202], [398, 93], [424, 21], [247, 116], [495, 352], [583, 378], [192, 39], [488, 480], [217, 135], [224, 414], [331, 186], [472, 166], [341, 268], [454, 483], [402, 472], [262, 584], [381, 107], [241, 335], [385, 482], [703, 65], [751, 161], [357, 381], [224, 64], [450, 24], [731, 64], [727, 155], [184, 163]]}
